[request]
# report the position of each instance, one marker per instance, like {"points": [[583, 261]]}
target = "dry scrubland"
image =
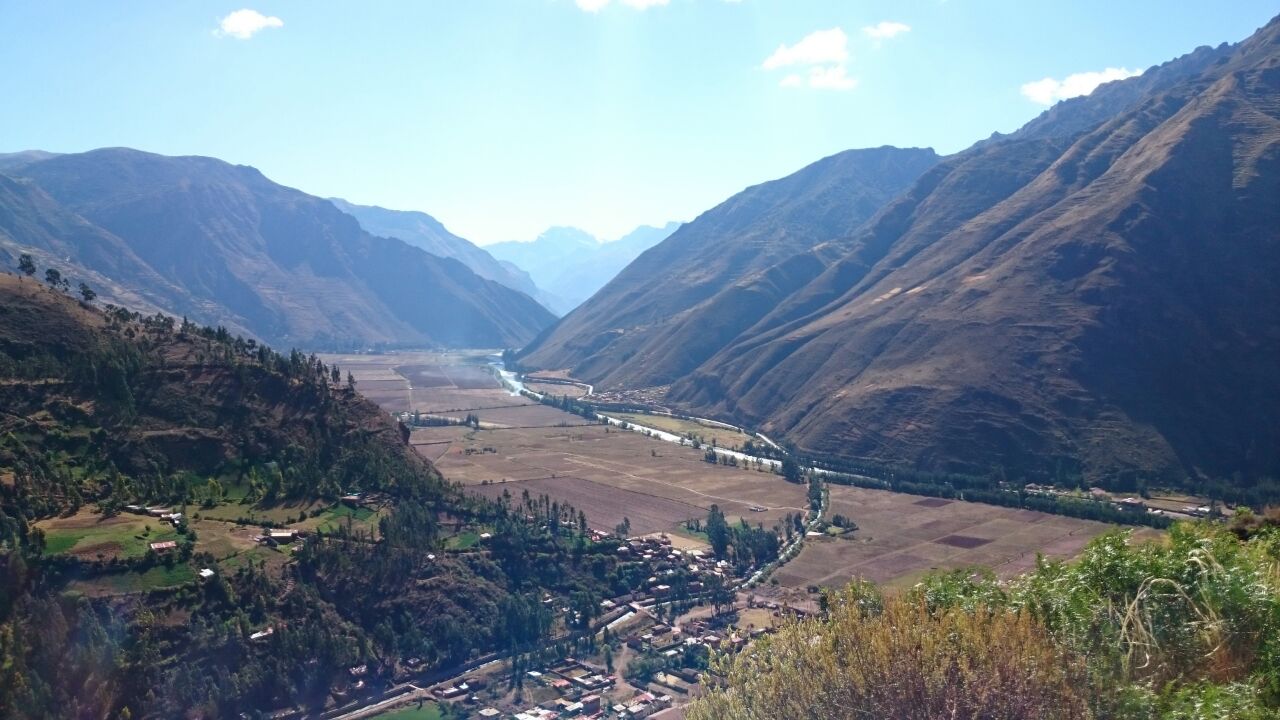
{"points": [[610, 474]]}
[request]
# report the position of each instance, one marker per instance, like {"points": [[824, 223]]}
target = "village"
{"points": [[646, 656]]}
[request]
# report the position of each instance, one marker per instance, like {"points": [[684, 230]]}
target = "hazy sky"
{"points": [[503, 117]]}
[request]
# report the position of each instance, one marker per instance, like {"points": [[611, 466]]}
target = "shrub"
{"points": [[894, 658]]}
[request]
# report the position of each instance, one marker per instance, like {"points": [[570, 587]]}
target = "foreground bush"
{"points": [[1188, 627], [897, 659]]}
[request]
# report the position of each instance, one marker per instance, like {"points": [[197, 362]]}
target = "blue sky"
{"points": [[503, 117]]}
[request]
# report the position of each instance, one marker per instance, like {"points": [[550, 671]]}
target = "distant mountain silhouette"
{"points": [[570, 265], [225, 245], [423, 231]]}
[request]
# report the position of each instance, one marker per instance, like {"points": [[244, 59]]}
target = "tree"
{"points": [[53, 277], [87, 293], [791, 470], [815, 494], [351, 381], [336, 375], [26, 265], [721, 594], [717, 531]]}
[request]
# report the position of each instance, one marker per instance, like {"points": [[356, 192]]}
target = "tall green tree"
{"points": [[717, 531]]}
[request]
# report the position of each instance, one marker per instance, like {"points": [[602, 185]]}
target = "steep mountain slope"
{"points": [[287, 267], [15, 160], [682, 300], [174, 399], [1101, 303], [32, 222], [1078, 114], [423, 231], [101, 610], [570, 265]]}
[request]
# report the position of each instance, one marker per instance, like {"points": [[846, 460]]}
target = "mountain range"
{"points": [[224, 245], [570, 265], [1092, 296]]}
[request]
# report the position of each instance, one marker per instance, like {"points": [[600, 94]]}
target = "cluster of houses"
{"points": [[278, 536], [166, 514], [581, 689], [591, 707], [465, 688], [666, 560], [669, 641]]}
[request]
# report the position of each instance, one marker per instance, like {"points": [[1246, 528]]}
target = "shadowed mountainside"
{"points": [[1092, 295], [423, 231], [236, 249], [681, 300], [1098, 303]]}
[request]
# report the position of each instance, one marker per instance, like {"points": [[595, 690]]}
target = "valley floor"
{"points": [[615, 475]]}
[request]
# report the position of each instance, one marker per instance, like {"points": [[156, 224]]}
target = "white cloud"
{"points": [[820, 57], [886, 29], [1049, 91], [644, 4], [243, 24], [823, 46], [592, 5], [831, 78]]}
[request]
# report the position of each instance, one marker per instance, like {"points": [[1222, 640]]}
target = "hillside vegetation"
{"points": [[101, 409], [1188, 628]]}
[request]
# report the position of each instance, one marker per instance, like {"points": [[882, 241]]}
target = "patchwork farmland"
{"points": [[902, 537], [612, 474]]}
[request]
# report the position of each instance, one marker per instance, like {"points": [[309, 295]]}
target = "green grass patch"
{"points": [[253, 514], [684, 531], [462, 541], [156, 578], [121, 536], [343, 511], [57, 542], [337, 516]]}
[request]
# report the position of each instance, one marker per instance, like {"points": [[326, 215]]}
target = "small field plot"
{"points": [[556, 389], [649, 470], [88, 535], [604, 505], [390, 395], [523, 416], [451, 399], [902, 537], [722, 437], [132, 581]]}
